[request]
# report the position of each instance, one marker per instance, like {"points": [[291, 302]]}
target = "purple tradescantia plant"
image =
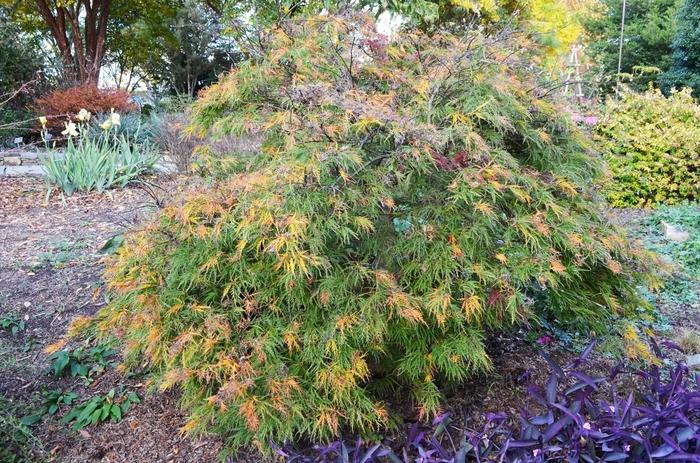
{"points": [[573, 424]]}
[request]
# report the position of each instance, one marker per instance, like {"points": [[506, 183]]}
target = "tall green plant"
{"points": [[408, 196]]}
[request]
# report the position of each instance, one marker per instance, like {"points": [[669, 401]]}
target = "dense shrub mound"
{"points": [[406, 197], [652, 145], [59, 104]]}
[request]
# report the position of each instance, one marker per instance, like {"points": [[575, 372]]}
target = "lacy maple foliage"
{"points": [[409, 194]]}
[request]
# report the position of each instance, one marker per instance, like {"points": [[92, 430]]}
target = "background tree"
{"points": [[194, 50], [79, 29], [685, 70], [85, 32], [649, 29], [136, 38], [22, 74], [555, 24], [20, 57]]}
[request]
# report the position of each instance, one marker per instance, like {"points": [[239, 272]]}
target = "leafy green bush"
{"points": [[97, 163], [80, 362], [111, 406], [407, 197], [51, 404], [652, 145], [12, 322]]}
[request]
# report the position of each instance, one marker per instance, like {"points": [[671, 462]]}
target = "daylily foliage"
{"points": [[408, 196]]}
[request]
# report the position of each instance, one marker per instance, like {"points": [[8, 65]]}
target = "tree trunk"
{"points": [[83, 57]]}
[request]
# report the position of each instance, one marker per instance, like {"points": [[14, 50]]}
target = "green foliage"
{"points": [[21, 68], [682, 286], [81, 362], [197, 52], [20, 61], [446, 13], [111, 406], [55, 398], [61, 254], [685, 70], [133, 126], [12, 322], [649, 29], [52, 402], [408, 196], [686, 255], [113, 244], [17, 443], [555, 23], [652, 146], [98, 163]]}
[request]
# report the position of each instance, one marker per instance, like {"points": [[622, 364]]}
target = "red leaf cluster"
{"points": [[61, 104], [445, 163]]}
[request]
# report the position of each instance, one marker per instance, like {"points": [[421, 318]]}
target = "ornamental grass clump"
{"points": [[408, 196]]}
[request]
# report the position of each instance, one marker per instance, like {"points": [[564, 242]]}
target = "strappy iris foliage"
{"points": [[407, 196]]}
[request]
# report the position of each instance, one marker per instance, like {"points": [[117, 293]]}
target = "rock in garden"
{"points": [[693, 362], [673, 233], [12, 160]]}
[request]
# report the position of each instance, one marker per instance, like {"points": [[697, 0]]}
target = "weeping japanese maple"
{"points": [[409, 194]]}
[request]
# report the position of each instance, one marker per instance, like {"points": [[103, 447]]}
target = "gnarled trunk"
{"points": [[80, 30]]}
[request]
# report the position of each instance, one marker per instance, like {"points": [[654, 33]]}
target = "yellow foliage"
{"points": [[635, 348], [471, 306], [557, 266]]}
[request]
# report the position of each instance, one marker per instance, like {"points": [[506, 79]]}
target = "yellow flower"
{"points": [[83, 115], [43, 121], [106, 125], [71, 129], [115, 118]]}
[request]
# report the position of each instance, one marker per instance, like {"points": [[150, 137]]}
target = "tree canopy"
{"points": [[20, 56], [649, 29], [685, 67]]}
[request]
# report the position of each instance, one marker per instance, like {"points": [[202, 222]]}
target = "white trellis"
{"points": [[573, 73]]}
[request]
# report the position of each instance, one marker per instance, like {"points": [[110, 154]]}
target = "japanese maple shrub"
{"points": [[407, 196]]}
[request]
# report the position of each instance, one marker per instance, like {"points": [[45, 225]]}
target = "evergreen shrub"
{"points": [[652, 146], [408, 196]]}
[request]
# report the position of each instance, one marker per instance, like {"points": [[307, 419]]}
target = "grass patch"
{"points": [[17, 443]]}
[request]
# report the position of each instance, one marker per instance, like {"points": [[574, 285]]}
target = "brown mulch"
{"points": [[50, 268]]}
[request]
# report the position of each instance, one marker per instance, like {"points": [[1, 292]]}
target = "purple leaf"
{"points": [[518, 444], [554, 429], [552, 364], [552, 388], [662, 451], [616, 456]]}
